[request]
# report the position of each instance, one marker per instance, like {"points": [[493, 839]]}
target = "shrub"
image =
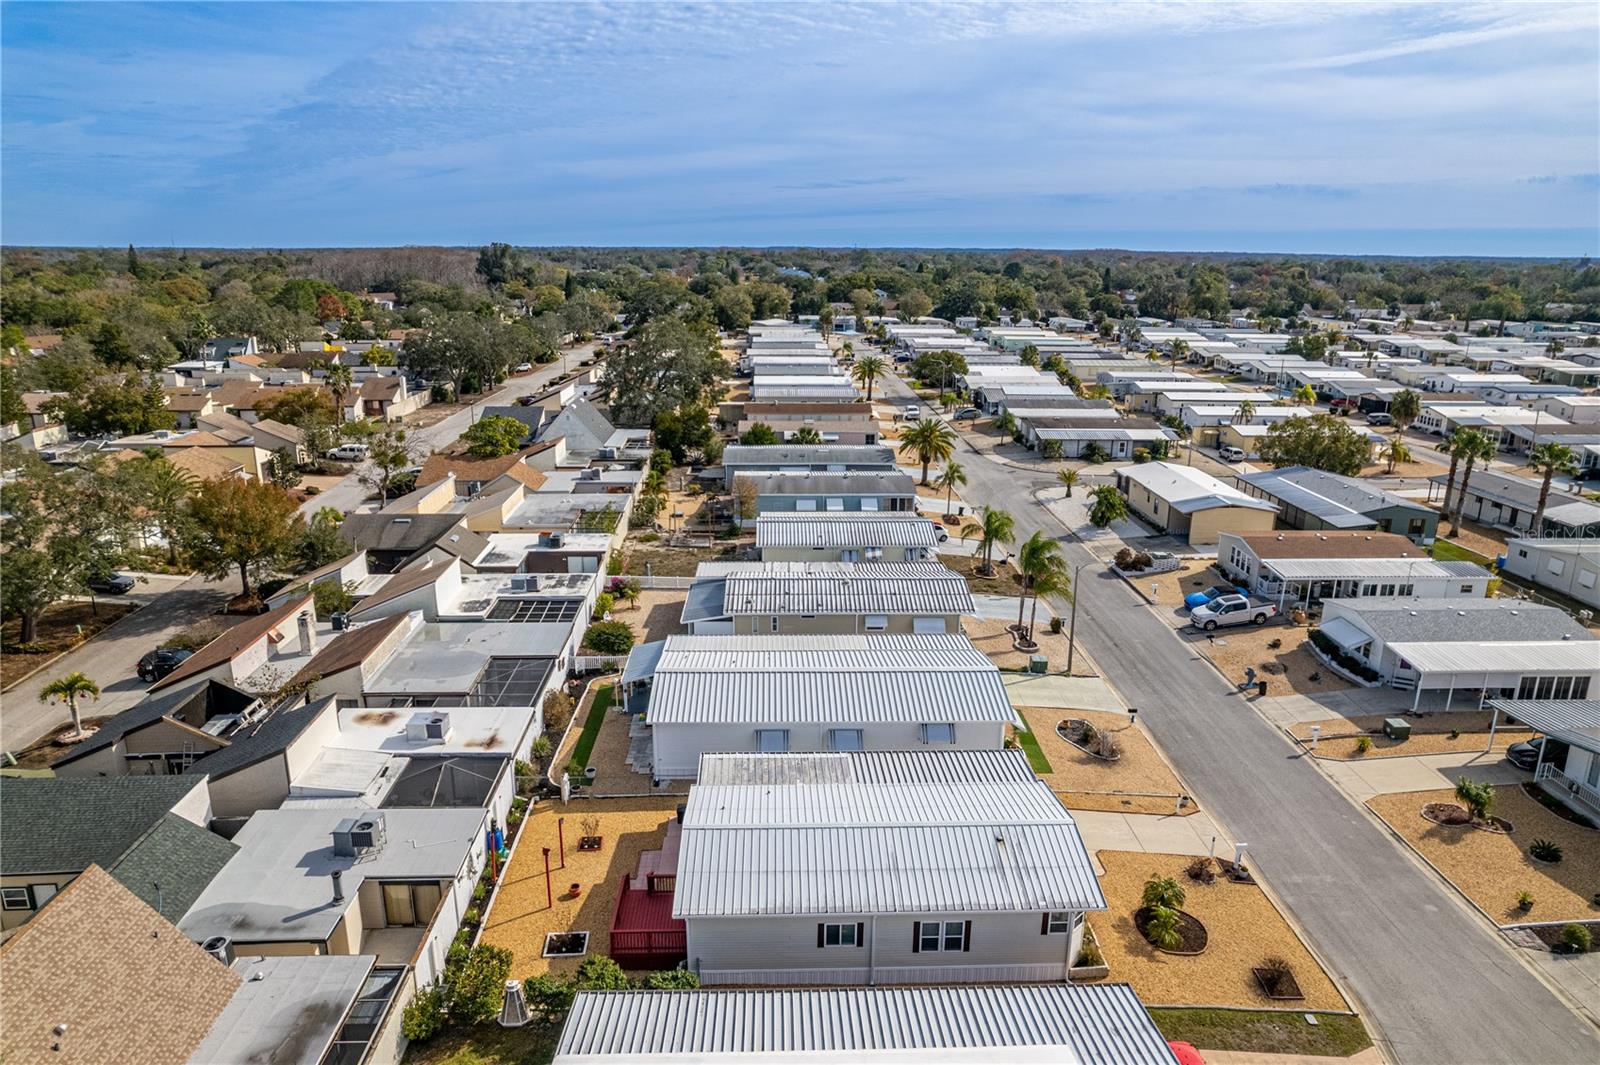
{"points": [[1162, 930], [424, 1015], [1087, 734], [1202, 869], [1108, 745], [1094, 455], [1345, 660], [480, 892], [1142, 561], [1545, 850], [1141, 455], [1476, 796], [1162, 892], [478, 987], [558, 707], [1275, 973], [1455, 734], [331, 598], [1363, 744], [1089, 953], [1524, 901], [1050, 450], [549, 997], [1576, 938], [672, 980], [603, 604], [609, 638], [600, 973], [470, 915], [455, 956], [1123, 558]]}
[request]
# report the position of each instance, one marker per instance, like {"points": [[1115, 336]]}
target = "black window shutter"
{"points": [[1044, 924], [861, 933], [966, 938], [820, 927], [916, 937]]}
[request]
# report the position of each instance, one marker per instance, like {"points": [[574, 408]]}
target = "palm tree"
{"points": [[1403, 410], [994, 527], [1449, 448], [1043, 571], [949, 480], [1247, 411], [806, 434], [1475, 447], [1068, 478], [71, 687], [1395, 451], [1109, 506], [340, 381], [930, 440], [866, 372], [1551, 459], [1179, 347]]}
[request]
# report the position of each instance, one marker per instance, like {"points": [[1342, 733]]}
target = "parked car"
{"points": [[1231, 610], [1525, 755], [1229, 453], [111, 584], [1194, 599], [967, 412], [349, 452], [163, 660], [522, 367], [913, 413], [1380, 417]]}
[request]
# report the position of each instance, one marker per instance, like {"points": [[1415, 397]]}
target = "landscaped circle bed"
{"points": [[1454, 815], [1191, 932], [1080, 733], [1557, 807]]}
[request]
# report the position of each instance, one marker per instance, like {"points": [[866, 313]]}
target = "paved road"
{"points": [[350, 493], [172, 604], [1436, 983]]}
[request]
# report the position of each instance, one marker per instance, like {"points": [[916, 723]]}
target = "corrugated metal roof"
{"points": [[896, 529], [1081, 1024], [1520, 657], [1573, 721], [846, 588], [1295, 569], [1343, 502], [848, 483], [885, 845], [807, 454]]}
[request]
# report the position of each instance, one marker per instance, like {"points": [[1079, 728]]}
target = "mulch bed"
{"points": [[1550, 934], [1278, 986], [1556, 806], [1456, 815], [1190, 931], [1071, 728]]}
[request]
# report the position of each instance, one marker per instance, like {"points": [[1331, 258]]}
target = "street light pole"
{"points": [[1072, 629]]}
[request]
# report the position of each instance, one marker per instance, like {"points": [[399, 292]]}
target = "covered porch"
{"points": [[1572, 775], [644, 934]]}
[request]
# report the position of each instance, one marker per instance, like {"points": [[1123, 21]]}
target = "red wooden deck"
{"points": [[643, 933]]}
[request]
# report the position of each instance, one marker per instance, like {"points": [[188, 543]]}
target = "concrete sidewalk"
{"points": [[1384, 776], [1289, 710], [1153, 834], [1369, 1056], [1051, 691]]}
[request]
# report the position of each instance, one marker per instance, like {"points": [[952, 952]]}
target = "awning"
{"points": [[1345, 634], [642, 662]]}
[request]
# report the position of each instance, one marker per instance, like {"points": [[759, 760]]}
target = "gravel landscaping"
{"points": [[1243, 930], [993, 638], [520, 918], [1288, 668], [1084, 782], [1491, 868], [1430, 734], [654, 616]]}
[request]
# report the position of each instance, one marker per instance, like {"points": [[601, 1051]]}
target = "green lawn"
{"points": [[1264, 1031], [1445, 551], [591, 729], [487, 1044], [1030, 746]]}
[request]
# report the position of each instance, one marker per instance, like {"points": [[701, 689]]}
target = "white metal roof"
{"points": [[845, 588], [972, 838], [849, 529], [1187, 489], [1079, 1024], [1532, 656], [1573, 721], [1330, 569], [835, 680]]}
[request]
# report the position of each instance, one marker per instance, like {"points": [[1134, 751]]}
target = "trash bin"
{"points": [[1261, 688], [1038, 664]]}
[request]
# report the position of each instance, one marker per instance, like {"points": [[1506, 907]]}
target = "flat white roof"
{"points": [[1187, 489]]}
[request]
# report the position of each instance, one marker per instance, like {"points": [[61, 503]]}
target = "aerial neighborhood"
{"points": [[624, 655]]}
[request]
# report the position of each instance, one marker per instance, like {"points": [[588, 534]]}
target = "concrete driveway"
{"points": [[171, 604]]}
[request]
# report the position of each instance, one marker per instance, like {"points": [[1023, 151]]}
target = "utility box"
{"points": [[1397, 728], [1038, 664]]}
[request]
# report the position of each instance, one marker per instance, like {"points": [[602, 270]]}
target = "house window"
{"points": [[1580, 690], [1416, 527], [941, 935], [939, 732], [1522, 552], [1388, 589], [20, 898], [1466, 589], [1586, 579], [845, 739], [1060, 924], [772, 740], [805, 504], [867, 504], [1406, 589], [835, 504], [877, 622], [774, 623], [1369, 589], [1547, 687], [838, 935], [1525, 687], [852, 555], [1563, 687], [874, 554]]}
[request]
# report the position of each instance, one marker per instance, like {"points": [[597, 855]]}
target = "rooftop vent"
{"points": [[355, 837]]}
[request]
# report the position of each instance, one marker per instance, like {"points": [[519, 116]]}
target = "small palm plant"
{"points": [[952, 478], [71, 688], [1476, 796], [1068, 478]]}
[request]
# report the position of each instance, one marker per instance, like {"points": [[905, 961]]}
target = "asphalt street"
{"points": [[1434, 981]]}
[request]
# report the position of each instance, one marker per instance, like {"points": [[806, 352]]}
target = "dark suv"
{"points": [[160, 662], [111, 584]]}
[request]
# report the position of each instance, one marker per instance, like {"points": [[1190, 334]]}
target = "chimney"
{"points": [[338, 889], [308, 634]]}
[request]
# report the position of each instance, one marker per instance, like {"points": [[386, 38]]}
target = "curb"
{"points": [[41, 667]]}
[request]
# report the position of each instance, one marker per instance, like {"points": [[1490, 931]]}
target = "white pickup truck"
{"points": [[1231, 610]]}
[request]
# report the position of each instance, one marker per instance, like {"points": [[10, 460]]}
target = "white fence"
{"points": [[661, 583], [598, 663]]}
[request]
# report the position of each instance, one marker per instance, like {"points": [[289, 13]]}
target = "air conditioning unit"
{"points": [[357, 836], [428, 726], [608, 453], [557, 539]]}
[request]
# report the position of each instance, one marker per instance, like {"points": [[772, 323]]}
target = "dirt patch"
{"points": [[47, 751], [609, 756], [377, 717], [993, 638], [1138, 782], [1491, 868], [1446, 813], [1430, 734], [654, 616], [1289, 667], [1243, 929], [1005, 580], [64, 626], [641, 558]]}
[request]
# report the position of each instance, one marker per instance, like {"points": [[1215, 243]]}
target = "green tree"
{"points": [[1468, 447], [1395, 451], [670, 365], [1549, 459], [930, 440], [1322, 442], [866, 372], [1304, 396], [759, 434], [608, 638], [320, 543], [493, 436], [282, 469], [913, 305], [1109, 506], [683, 431], [476, 989], [158, 491], [733, 307], [465, 349], [121, 406], [300, 406], [1179, 349], [1043, 571], [938, 367], [240, 524], [70, 689], [340, 380], [1069, 478], [1030, 356], [1477, 796], [806, 434], [994, 527], [389, 453], [1247, 411], [950, 478], [12, 408]]}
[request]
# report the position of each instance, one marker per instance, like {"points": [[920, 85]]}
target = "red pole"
{"points": [[561, 834], [549, 897]]}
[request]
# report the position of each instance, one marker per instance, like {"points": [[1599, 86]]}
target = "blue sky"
{"points": [[1352, 128]]}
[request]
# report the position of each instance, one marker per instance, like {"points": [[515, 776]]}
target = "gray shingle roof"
{"points": [[65, 824], [1461, 620], [154, 708], [261, 740], [1342, 502], [172, 864]]}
